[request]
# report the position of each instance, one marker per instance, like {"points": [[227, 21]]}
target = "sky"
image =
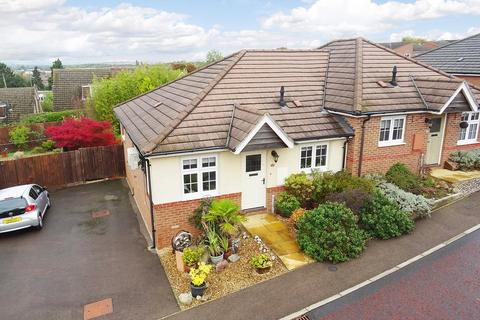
{"points": [[88, 31]]}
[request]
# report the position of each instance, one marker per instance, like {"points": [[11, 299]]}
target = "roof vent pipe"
{"points": [[394, 77], [282, 97]]}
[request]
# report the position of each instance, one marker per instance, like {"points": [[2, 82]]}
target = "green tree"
{"points": [[413, 40], [36, 79], [9, 79], [213, 56], [107, 93], [57, 64], [47, 103]]}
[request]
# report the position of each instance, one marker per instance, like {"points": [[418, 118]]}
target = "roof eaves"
{"points": [[191, 106]]}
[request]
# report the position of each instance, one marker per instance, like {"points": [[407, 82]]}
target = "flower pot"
{"points": [[263, 270], [198, 291], [216, 259], [227, 254]]}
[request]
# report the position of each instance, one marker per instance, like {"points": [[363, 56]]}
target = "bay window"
{"points": [[199, 176], [470, 132], [392, 131]]}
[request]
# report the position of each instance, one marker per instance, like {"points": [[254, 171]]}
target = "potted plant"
{"points": [[191, 257], [261, 262], [197, 278], [214, 247], [225, 245]]}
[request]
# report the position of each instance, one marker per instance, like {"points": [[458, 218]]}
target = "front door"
{"points": [[253, 181], [434, 142]]}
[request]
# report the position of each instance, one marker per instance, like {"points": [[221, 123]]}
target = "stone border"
{"points": [[447, 200], [379, 276]]}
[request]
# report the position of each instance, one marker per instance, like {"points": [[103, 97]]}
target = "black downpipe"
{"points": [[345, 153], [362, 142], [152, 220]]}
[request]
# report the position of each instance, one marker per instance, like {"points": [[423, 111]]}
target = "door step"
{"points": [[254, 210]]}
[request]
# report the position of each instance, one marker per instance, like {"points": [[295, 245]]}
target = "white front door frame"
{"points": [[436, 137], [254, 184]]}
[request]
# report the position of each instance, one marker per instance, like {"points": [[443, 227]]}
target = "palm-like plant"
{"points": [[214, 245], [224, 214]]}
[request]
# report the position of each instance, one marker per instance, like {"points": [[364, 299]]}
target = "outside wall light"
{"points": [[428, 121], [464, 124], [275, 156]]}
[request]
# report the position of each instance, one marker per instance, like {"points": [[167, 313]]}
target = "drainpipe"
{"points": [[362, 142], [152, 220], [345, 146]]}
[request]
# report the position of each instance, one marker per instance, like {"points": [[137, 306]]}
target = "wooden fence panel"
{"points": [[61, 169]]}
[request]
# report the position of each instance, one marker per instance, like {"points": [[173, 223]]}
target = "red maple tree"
{"points": [[79, 133]]}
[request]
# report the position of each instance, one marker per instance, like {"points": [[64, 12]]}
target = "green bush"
{"points": [[192, 255], [19, 136], [196, 218], [402, 177], [383, 219], [466, 160], [37, 150], [300, 186], [51, 116], [48, 145], [354, 199], [417, 205], [330, 233], [327, 183], [285, 204], [47, 103]]}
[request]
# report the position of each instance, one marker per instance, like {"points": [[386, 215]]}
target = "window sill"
{"points": [[391, 144], [199, 195], [466, 142], [309, 170]]}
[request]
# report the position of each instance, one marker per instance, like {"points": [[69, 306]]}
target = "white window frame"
{"points": [[468, 129], [391, 141], [4, 106], [89, 91], [313, 157], [199, 171]]}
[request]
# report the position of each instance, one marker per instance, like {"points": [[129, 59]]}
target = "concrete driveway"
{"points": [[76, 260]]}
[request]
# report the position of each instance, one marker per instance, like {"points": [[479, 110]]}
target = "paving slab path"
{"points": [[314, 282]]}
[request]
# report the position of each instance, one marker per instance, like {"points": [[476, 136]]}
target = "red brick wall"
{"points": [[270, 193], [452, 129], [379, 159], [172, 217]]}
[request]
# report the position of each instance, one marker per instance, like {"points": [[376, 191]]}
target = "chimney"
{"points": [[282, 97], [394, 77]]}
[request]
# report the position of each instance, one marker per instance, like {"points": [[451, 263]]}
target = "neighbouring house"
{"points": [[235, 129], [460, 58], [72, 87], [410, 49], [17, 102]]}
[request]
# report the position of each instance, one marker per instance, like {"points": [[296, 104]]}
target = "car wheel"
{"points": [[40, 223]]}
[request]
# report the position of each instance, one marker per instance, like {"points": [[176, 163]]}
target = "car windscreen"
{"points": [[12, 204]]}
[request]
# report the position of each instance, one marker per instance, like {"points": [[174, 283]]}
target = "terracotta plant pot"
{"points": [[263, 270], [198, 291]]}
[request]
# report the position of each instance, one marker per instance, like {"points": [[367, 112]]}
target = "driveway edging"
{"points": [[379, 276]]}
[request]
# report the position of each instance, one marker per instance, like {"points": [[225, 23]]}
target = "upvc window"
{"points": [[470, 133], [313, 156], [199, 176], [3, 110], [392, 131]]}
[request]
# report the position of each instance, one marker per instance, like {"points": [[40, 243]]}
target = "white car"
{"points": [[23, 207]]}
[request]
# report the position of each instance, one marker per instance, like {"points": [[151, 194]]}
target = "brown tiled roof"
{"points": [[195, 112]]}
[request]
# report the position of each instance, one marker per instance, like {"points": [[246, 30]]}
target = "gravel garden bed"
{"points": [[234, 277], [469, 186]]}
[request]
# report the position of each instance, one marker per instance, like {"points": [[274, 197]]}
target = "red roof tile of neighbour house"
{"points": [[219, 106], [197, 111]]}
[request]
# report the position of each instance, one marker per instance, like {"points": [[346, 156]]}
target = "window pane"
{"points": [[189, 164], [306, 157], [385, 130], [208, 162], [397, 129], [190, 184], [209, 180], [253, 163], [463, 134], [472, 131], [321, 156], [3, 111], [465, 116], [474, 116]]}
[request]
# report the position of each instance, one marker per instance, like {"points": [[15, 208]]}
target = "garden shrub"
{"points": [[199, 212], [192, 255], [285, 204], [416, 205], [300, 186], [402, 177], [466, 160], [19, 136], [354, 199], [327, 183], [383, 219], [37, 150], [330, 233], [56, 116], [48, 145]]}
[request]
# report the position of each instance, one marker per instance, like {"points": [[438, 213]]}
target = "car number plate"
{"points": [[12, 220]]}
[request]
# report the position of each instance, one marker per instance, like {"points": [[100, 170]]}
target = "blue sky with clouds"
{"points": [[37, 31]]}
